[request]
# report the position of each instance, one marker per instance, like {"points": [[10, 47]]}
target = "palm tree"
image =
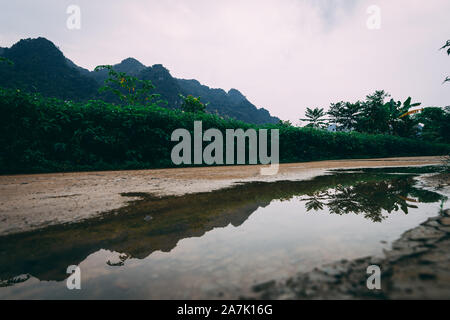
{"points": [[315, 117]]}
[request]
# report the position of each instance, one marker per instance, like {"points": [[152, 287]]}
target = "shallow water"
{"points": [[217, 244]]}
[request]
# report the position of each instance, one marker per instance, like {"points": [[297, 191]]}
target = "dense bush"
{"points": [[44, 135]]}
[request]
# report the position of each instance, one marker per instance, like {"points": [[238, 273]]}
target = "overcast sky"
{"points": [[283, 55]]}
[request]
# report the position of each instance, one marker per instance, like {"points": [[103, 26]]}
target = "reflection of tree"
{"points": [[121, 262], [14, 281], [314, 204], [371, 198]]}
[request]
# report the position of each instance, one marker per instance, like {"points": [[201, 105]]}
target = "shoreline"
{"points": [[33, 201]]}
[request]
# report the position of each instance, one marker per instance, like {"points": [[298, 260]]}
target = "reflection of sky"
{"points": [[284, 55], [275, 241], [330, 10]]}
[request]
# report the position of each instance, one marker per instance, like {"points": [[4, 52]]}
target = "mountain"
{"points": [[39, 66], [130, 66], [231, 103], [165, 84], [82, 70]]}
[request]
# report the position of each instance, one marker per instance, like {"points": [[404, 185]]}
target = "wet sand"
{"points": [[33, 201]]}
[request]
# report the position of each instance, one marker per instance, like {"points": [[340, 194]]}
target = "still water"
{"points": [[217, 244]]}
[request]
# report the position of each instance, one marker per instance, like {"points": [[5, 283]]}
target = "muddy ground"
{"points": [[36, 200]]}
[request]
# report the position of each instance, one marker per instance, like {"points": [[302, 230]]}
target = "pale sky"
{"points": [[283, 55]]}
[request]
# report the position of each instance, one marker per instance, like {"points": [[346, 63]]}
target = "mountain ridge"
{"points": [[36, 72], [39, 64]]}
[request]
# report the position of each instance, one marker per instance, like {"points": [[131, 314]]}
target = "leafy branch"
{"points": [[446, 46], [193, 104], [130, 90]]}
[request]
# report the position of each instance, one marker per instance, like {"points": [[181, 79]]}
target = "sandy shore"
{"points": [[33, 201]]}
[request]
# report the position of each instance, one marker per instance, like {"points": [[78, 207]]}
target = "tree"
{"points": [[345, 115], [446, 46], [374, 114], [436, 124], [315, 117], [285, 123], [192, 104], [130, 90], [400, 121]]}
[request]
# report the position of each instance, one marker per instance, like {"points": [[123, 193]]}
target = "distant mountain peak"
{"points": [[32, 43], [132, 62], [233, 91], [159, 66], [34, 47], [130, 66], [40, 40], [40, 66], [236, 95]]}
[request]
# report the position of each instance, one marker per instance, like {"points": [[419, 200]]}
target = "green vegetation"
{"points": [[40, 134], [40, 67], [130, 90], [436, 123], [315, 117], [376, 116], [123, 126], [192, 104]]}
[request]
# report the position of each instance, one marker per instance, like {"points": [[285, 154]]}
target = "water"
{"points": [[217, 244]]}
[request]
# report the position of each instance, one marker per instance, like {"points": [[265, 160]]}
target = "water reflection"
{"points": [[371, 198], [158, 224]]}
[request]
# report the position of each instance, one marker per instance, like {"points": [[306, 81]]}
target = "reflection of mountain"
{"points": [[159, 223], [371, 198]]}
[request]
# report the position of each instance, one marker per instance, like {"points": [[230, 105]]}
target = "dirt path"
{"points": [[32, 201]]}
